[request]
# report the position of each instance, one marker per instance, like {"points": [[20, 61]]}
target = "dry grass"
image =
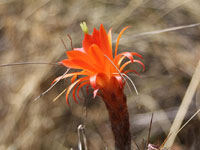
{"points": [[31, 30]]}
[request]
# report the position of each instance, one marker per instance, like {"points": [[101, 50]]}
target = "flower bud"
{"points": [[84, 27]]}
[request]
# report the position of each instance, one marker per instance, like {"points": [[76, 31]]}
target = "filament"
{"points": [[57, 97], [51, 86], [121, 74]]}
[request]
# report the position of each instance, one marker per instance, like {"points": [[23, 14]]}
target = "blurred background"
{"points": [[30, 31]]}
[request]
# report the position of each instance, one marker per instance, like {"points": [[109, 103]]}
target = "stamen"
{"points": [[51, 86], [57, 97], [136, 91], [119, 73], [113, 64]]}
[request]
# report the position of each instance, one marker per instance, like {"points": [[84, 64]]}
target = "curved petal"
{"points": [[102, 80], [62, 77], [74, 78], [118, 59], [75, 87], [115, 84], [95, 93], [118, 38], [110, 37], [69, 89], [93, 81], [120, 80], [124, 65], [127, 54], [87, 88], [80, 86], [99, 80], [128, 62], [139, 62], [69, 75], [136, 54], [74, 93], [134, 71]]}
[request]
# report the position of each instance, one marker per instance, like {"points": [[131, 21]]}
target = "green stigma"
{"points": [[84, 27]]}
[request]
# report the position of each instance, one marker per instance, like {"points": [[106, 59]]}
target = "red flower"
{"points": [[99, 68]]}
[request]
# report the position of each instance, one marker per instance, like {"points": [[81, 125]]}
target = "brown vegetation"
{"points": [[30, 31]]}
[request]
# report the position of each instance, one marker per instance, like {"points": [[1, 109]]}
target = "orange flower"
{"points": [[98, 67]]}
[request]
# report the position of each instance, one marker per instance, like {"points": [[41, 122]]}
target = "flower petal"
{"points": [[69, 75], [74, 93], [95, 93], [91, 39], [93, 81], [73, 78], [99, 80], [75, 87], [138, 61], [128, 62], [104, 42], [118, 62], [118, 59], [118, 38], [134, 71], [80, 86], [115, 84], [136, 54], [69, 89], [120, 80], [79, 49], [127, 54], [85, 65], [96, 55], [110, 37], [68, 63], [75, 54], [87, 89], [95, 37], [87, 42]]}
